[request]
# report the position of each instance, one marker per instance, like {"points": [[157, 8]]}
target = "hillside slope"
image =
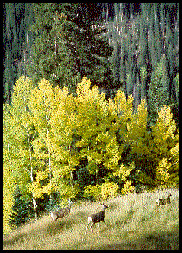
{"points": [[132, 222]]}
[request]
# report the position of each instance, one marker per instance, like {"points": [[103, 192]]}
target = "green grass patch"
{"points": [[132, 222]]}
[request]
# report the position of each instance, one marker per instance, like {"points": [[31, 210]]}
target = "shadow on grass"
{"points": [[127, 218], [49, 228], [60, 225], [15, 239], [163, 241]]}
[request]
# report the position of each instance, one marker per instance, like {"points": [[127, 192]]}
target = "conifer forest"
{"points": [[90, 103]]}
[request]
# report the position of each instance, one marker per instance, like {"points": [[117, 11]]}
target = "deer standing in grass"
{"points": [[164, 201], [61, 212], [97, 217]]}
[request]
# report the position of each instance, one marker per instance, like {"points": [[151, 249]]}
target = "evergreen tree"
{"points": [[16, 19], [10, 48], [158, 89], [68, 46], [20, 209], [141, 35]]}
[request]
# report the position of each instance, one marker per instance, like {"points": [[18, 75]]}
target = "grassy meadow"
{"points": [[132, 222]]}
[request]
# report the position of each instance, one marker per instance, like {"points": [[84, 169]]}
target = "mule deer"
{"points": [[97, 217], [164, 201], [61, 212]]}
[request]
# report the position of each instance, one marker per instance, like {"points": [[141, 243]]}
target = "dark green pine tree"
{"points": [[162, 46], [9, 49], [158, 90], [68, 45], [144, 36], [16, 20], [27, 39], [171, 52], [123, 34], [49, 57], [21, 210]]}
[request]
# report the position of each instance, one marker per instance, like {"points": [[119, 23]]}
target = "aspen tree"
{"points": [[23, 120], [41, 105], [64, 136]]}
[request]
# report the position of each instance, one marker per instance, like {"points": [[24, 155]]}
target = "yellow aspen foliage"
{"points": [[122, 111], [175, 154], [65, 157], [93, 191], [137, 135], [123, 106], [20, 100], [65, 189], [48, 189], [41, 103], [37, 188], [96, 143], [90, 109], [127, 187], [16, 131], [163, 132], [8, 190], [162, 174], [112, 111], [165, 147], [174, 169], [124, 171], [21, 92], [20, 116], [89, 95], [83, 89], [109, 190]]}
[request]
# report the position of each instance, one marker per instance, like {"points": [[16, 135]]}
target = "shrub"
{"points": [[20, 209], [93, 192], [127, 187], [109, 190]]}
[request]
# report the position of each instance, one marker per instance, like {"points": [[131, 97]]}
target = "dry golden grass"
{"points": [[132, 222]]}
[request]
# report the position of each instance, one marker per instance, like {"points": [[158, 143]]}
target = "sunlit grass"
{"points": [[132, 222]]}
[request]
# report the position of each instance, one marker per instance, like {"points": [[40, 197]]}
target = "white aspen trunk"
{"points": [[107, 14], [120, 9], [50, 197], [31, 172], [55, 46], [55, 43], [31, 177], [96, 176], [24, 61], [71, 178], [71, 173], [27, 38]]}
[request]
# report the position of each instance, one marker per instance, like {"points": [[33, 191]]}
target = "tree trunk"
{"points": [[50, 198], [31, 174], [31, 177]]}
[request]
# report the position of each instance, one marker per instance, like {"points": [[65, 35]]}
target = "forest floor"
{"points": [[132, 222]]}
